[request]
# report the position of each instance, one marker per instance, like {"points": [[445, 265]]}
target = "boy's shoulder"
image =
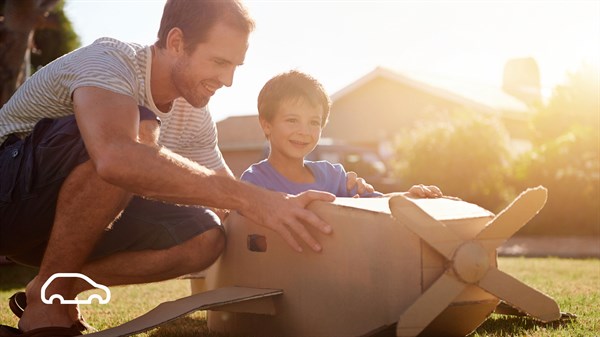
{"points": [[324, 164], [326, 167], [255, 169]]}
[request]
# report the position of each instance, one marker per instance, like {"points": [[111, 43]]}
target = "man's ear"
{"points": [[175, 42], [266, 126]]}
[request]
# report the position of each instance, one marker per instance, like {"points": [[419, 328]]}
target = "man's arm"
{"points": [[225, 172], [109, 126]]}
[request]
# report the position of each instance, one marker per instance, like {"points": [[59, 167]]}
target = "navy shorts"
{"points": [[32, 171]]}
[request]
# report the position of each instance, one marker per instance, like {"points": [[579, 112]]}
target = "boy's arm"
{"points": [[422, 191]]}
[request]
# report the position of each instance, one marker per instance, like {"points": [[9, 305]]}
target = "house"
{"points": [[382, 103], [242, 142]]}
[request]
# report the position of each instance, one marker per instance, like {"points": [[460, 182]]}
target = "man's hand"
{"points": [[287, 216], [352, 180]]}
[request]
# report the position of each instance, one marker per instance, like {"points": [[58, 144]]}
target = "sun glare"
{"points": [[340, 41]]}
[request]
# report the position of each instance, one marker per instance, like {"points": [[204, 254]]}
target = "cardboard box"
{"points": [[393, 265], [372, 268]]}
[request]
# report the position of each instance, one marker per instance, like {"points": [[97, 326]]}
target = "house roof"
{"points": [[244, 132], [240, 133], [473, 95]]}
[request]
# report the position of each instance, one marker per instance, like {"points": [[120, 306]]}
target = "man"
{"points": [[80, 140]]}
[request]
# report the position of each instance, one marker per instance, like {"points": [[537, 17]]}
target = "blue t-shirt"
{"points": [[328, 177]]}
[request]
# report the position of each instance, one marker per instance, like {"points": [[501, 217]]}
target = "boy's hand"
{"points": [[423, 191], [352, 180]]}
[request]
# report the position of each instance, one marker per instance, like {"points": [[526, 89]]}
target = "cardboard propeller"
{"points": [[469, 262]]}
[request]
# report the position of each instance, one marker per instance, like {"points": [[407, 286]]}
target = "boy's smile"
{"points": [[294, 130]]}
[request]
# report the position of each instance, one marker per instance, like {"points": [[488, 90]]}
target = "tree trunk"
{"points": [[21, 17]]}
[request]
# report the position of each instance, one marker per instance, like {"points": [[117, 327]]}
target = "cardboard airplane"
{"points": [[424, 267]]}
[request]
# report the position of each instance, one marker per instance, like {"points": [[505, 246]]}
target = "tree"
{"points": [[20, 22], [54, 38], [566, 158], [466, 157]]}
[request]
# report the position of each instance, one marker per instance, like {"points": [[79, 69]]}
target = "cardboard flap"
{"points": [[171, 310], [447, 208], [263, 306]]}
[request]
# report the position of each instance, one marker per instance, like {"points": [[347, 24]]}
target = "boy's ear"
{"points": [[266, 126]]}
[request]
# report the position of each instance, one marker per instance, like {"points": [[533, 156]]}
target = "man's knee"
{"points": [[215, 242], [205, 249]]}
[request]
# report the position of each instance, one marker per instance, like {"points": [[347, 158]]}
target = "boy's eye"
{"points": [[315, 123], [291, 120]]}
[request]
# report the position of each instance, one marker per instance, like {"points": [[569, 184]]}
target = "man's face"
{"points": [[199, 74]]}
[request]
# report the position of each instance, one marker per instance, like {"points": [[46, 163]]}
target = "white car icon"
{"points": [[53, 297]]}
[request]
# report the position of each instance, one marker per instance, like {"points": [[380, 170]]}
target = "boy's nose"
{"points": [[304, 129]]}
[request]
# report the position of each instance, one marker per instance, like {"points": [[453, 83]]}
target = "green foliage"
{"points": [[566, 158], [54, 39], [466, 157], [573, 106]]}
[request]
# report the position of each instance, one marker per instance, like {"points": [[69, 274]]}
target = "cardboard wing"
{"points": [[169, 311]]}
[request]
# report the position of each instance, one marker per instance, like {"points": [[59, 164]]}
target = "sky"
{"points": [[339, 41]]}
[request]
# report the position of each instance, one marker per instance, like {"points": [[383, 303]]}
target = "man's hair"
{"points": [[292, 86], [195, 18]]}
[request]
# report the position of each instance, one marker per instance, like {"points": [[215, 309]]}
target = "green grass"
{"points": [[575, 284]]}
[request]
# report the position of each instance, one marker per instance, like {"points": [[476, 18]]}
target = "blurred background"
{"points": [[483, 99]]}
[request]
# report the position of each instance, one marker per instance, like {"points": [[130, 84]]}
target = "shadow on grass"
{"points": [[505, 325], [496, 325], [188, 326], [14, 276]]}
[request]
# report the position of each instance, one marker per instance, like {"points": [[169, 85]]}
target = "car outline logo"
{"points": [[75, 301]]}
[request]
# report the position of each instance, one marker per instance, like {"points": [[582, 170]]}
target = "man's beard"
{"points": [[186, 87]]}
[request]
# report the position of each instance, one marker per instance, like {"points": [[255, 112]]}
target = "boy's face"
{"points": [[294, 130]]}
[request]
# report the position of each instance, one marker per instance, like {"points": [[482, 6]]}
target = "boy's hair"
{"points": [[195, 18], [292, 86]]}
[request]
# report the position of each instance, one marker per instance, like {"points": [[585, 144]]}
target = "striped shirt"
{"points": [[120, 67]]}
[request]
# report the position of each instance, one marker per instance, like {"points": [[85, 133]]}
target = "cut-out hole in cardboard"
{"points": [[257, 243]]}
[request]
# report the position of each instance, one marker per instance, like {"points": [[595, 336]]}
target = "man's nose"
{"points": [[226, 77]]}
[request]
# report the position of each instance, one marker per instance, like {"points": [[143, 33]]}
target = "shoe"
{"points": [[18, 302], [52, 331]]}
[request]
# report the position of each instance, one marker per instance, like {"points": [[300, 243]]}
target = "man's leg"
{"points": [[146, 266], [86, 206], [152, 241]]}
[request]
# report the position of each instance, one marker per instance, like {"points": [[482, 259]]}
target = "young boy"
{"points": [[293, 108]]}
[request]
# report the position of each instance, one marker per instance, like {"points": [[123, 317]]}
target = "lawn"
{"points": [[575, 284]]}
